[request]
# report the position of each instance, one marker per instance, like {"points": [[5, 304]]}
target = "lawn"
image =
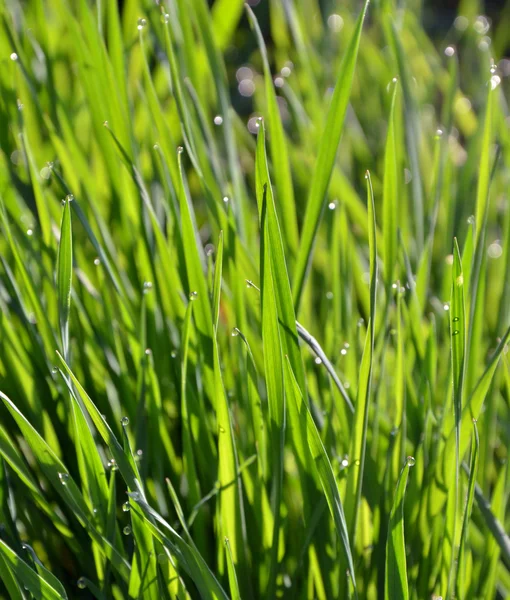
{"points": [[254, 300]]}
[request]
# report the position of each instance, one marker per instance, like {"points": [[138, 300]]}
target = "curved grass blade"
{"points": [[324, 471], [36, 584], [188, 558], [326, 160], [278, 148], [396, 587]]}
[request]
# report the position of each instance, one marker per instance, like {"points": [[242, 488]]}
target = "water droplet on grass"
{"points": [[411, 461], [218, 120], [235, 332], [318, 360], [14, 56], [69, 197], [64, 478], [165, 18], [126, 507], [141, 23], [124, 421], [193, 296], [81, 583], [97, 261], [127, 530], [449, 51]]}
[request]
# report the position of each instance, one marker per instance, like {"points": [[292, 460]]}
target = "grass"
{"points": [[253, 346]]}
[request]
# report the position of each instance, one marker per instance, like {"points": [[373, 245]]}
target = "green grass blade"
{"points": [[361, 412], [326, 160], [278, 148], [35, 583], [396, 585], [232, 576], [463, 548], [65, 274], [325, 473]]}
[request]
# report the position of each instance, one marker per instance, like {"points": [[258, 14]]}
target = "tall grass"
{"points": [[255, 301]]}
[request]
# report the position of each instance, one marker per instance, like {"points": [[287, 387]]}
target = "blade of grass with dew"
{"points": [[230, 501], [396, 583], [278, 147], [458, 343], [361, 412], [64, 485], [472, 408], [35, 583], [460, 586], [273, 362], [323, 469], [325, 160]]}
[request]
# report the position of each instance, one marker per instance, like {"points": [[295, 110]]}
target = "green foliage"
{"points": [[168, 429]]}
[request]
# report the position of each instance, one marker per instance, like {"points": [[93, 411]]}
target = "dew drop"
{"points": [[471, 220], [64, 478], [495, 250], [495, 81], [97, 261], [147, 286], [439, 134], [343, 351], [135, 496], [81, 583], [446, 306], [14, 56], [54, 370], [148, 352], [180, 149], [126, 507], [173, 354], [411, 461], [335, 23], [165, 18], [235, 332], [124, 421], [69, 198], [141, 23], [218, 120], [332, 205], [279, 82], [193, 296], [449, 51], [112, 465], [221, 429], [345, 462], [105, 123], [30, 232], [226, 199], [139, 454], [456, 332], [318, 360], [455, 319], [329, 295], [127, 530]]}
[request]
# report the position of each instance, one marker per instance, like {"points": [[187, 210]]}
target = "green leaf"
{"points": [[396, 587], [326, 159]]}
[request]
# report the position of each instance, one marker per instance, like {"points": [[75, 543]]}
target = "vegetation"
{"points": [[271, 362]]}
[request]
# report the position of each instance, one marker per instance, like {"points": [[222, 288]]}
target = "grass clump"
{"points": [[253, 333]]}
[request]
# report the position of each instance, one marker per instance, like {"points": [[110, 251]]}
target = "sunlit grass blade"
{"points": [[35, 583], [278, 148], [65, 275], [325, 160], [232, 576], [458, 344], [324, 472], [360, 422], [460, 586], [396, 586]]}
